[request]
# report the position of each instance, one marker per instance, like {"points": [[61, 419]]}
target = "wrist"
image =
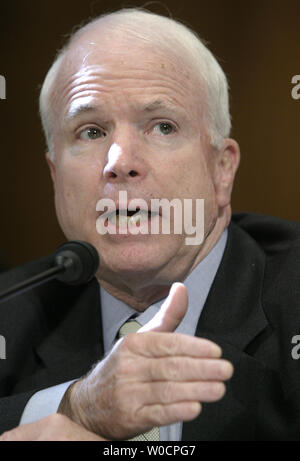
{"points": [[71, 404]]}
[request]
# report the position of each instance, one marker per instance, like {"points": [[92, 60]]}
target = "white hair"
{"points": [[171, 36]]}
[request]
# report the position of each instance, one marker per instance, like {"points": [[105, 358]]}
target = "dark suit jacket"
{"points": [[53, 334]]}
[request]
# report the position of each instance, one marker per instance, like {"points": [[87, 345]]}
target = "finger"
{"points": [[166, 393], [162, 415], [167, 345], [171, 312], [182, 369], [21, 433]]}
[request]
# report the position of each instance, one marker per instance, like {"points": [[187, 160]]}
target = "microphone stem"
{"points": [[31, 282]]}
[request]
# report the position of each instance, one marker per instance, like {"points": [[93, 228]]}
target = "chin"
{"points": [[134, 254], [135, 258]]}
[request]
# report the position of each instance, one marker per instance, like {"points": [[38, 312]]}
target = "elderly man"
{"points": [[136, 103]]}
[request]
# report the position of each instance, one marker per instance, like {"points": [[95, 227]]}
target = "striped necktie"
{"points": [[132, 326]]}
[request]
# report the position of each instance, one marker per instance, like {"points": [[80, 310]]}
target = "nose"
{"points": [[125, 160]]}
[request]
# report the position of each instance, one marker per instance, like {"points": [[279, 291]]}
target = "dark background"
{"points": [[257, 43]]}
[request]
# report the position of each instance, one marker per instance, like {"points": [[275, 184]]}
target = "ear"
{"points": [[226, 165], [51, 165]]}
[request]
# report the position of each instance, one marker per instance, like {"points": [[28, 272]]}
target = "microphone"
{"points": [[75, 263], [80, 261]]}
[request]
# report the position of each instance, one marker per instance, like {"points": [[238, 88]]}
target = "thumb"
{"points": [[171, 312]]}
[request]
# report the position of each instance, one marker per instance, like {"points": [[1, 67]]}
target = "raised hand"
{"points": [[152, 378]]}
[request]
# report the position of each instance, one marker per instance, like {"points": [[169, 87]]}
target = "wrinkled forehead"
{"points": [[105, 52]]}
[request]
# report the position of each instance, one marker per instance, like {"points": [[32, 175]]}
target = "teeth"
{"points": [[122, 218]]}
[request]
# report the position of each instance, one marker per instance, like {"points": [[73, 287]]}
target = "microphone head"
{"points": [[80, 261]]}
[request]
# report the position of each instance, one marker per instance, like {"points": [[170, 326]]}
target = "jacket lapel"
{"points": [[72, 339], [233, 317]]}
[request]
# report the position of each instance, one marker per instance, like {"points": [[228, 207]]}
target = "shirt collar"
{"points": [[115, 312]]}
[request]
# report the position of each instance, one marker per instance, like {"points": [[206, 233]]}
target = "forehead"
{"points": [[101, 65], [126, 48]]}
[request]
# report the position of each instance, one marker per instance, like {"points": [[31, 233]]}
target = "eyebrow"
{"points": [[80, 109], [158, 104], [90, 108]]}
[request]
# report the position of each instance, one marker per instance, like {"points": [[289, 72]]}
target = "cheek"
{"points": [[191, 178], [68, 186], [77, 177], [188, 175], [76, 195]]}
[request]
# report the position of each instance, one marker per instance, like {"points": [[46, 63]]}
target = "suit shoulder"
{"points": [[24, 271], [273, 235], [279, 243]]}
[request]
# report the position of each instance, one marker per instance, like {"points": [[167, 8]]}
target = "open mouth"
{"points": [[125, 217]]}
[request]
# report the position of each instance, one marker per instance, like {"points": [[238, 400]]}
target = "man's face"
{"points": [[129, 119]]}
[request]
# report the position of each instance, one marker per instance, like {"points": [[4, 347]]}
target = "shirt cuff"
{"points": [[44, 403]]}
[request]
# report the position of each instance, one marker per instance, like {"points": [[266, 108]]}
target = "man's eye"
{"points": [[92, 133], [164, 128]]}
